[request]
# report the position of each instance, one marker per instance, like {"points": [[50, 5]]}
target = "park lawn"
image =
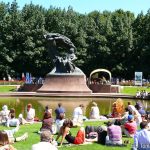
{"points": [[35, 138], [7, 88], [131, 90]]}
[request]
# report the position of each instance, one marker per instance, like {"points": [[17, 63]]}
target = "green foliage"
{"points": [[115, 40]]}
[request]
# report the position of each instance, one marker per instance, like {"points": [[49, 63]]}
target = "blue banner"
{"points": [[28, 78]]}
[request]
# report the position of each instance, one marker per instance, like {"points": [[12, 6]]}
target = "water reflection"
{"points": [[104, 104]]}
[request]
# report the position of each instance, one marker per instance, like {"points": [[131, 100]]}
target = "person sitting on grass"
{"points": [[114, 134], [12, 121], [4, 142], [11, 137], [47, 109], [4, 114], [142, 137], [94, 113], [78, 115], [30, 113], [137, 117], [46, 142], [47, 122], [59, 122], [59, 110], [65, 133], [124, 118], [30, 116], [117, 109], [131, 107], [130, 127]]}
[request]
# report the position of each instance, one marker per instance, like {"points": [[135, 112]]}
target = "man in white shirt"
{"points": [[94, 114], [78, 115], [45, 143], [30, 113], [131, 107], [12, 122], [4, 114]]}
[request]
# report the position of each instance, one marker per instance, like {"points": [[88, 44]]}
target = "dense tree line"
{"points": [[117, 41]]}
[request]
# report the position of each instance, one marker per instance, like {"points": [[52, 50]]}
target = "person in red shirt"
{"points": [[65, 133], [129, 128]]}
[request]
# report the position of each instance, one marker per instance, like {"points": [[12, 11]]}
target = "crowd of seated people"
{"points": [[142, 94], [126, 123], [7, 136], [8, 119], [122, 121]]}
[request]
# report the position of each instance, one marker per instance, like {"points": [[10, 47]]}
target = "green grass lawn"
{"points": [[35, 138], [7, 88], [133, 89]]}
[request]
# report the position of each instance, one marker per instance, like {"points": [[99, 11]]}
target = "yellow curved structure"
{"points": [[100, 70]]}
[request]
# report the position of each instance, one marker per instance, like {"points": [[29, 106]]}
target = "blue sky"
{"points": [[86, 6]]}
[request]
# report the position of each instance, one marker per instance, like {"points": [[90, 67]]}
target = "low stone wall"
{"points": [[101, 88], [115, 89], [30, 87], [95, 88]]}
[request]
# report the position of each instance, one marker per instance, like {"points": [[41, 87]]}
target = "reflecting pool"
{"points": [[104, 104]]}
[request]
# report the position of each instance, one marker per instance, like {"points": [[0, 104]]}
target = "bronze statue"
{"points": [[65, 77], [62, 52]]}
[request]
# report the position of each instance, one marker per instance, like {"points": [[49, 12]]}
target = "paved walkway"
{"points": [[95, 95]]}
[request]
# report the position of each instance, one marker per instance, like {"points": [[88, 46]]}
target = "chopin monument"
{"points": [[65, 76]]}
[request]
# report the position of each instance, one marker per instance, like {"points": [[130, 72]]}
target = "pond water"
{"points": [[104, 104]]}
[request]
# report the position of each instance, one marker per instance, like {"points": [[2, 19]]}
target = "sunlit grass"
{"points": [[133, 89], [34, 137], [7, 88]]}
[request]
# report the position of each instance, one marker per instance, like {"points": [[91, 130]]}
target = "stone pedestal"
{"points": [[99, 88], [64, 83]]}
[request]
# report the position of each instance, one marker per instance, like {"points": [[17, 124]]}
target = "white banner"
{"points": [[138, 78]]}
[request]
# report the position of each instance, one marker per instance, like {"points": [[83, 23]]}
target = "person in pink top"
{"points": [[130, 128], [114, 134]]}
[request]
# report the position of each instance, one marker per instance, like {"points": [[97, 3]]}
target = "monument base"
{"points": [[64, 83], [100, 88]]}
